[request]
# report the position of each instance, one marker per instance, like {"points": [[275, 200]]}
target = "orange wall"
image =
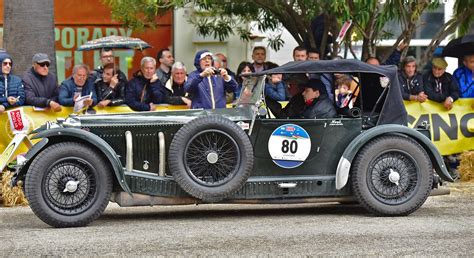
{"points": [[78, 21]]}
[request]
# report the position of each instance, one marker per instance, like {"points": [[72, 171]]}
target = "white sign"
{"points": [[289, 146]]}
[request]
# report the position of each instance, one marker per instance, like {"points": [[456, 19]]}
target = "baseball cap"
{"points": [[205, 54], [440, 62], [41, 58]]}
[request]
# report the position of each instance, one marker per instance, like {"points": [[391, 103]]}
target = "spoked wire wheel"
{"points": [[212, 157], [392, 175], [68, 184]]}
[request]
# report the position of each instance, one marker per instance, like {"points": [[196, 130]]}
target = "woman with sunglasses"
{"points": [[12, 93]]}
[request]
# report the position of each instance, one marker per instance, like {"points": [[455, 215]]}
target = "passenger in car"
{"points": [[317, 103], [343, 91], [275, 88]]}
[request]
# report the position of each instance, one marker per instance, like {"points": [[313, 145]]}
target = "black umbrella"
{"points": [[460, 47], [115, 42]]}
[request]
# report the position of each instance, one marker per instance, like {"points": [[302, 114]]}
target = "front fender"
{"points": [[95, 141], [344, 166]]}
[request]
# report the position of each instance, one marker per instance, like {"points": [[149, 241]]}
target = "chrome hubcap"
{"points": [[394, 176], [212, 157], [71, 186]]}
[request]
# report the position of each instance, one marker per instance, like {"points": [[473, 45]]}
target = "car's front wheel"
{"points": [[68, 185], [392, 176]]}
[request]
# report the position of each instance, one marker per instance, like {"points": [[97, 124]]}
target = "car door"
{"points": [[289, 147]]}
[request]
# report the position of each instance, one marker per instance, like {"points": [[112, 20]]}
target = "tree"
{"points": [[221, 18], [29, 29], [462, 19]]}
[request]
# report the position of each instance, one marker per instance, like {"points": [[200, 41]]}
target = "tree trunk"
{"points": [[29, 29]]}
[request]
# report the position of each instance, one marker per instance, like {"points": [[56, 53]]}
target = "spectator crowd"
{"points": [[213, 84]]}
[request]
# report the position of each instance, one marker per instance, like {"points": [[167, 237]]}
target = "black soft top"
{"points": [[393, 110]]}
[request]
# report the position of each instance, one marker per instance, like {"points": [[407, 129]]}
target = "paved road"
{"points": [[444, 226]]}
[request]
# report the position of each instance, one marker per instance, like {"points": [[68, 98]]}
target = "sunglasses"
{"points": [[43, 64], [7, 63]]}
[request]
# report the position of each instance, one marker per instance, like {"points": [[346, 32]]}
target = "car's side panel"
{"points": [[95, 141], [329, 137], [343, 168]]}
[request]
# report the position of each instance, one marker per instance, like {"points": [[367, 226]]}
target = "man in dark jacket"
{"points": [[208, 85], [144, 90], [106, 57], [76, 86], [317, 103], [110, 89], [441, 86], [411, 81], [174, 87], [12, 93], [41, 86]]}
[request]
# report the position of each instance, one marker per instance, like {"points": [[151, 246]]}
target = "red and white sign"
{"points": [[343, 31], [18, 121]]}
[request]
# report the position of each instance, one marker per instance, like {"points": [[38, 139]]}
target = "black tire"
{"points": [[373, 184], [87, 175], [203, 141]]}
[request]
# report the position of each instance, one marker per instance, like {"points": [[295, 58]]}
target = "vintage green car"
{"points": [[237, 155]]}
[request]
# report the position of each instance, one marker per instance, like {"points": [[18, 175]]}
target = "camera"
{"points": [[217, 71]]}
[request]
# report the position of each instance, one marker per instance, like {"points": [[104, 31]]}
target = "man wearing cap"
{"points": [[317, 103], [441, 86], [12, 93], [41, 86], [207, 85]]}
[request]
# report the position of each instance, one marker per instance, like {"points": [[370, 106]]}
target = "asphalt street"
{"points": [[443, 226]]}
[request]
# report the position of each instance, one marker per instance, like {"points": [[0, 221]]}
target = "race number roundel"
{"points": [[289, 145]]}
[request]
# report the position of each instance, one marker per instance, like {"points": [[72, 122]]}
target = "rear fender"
{"points": [[344, 166], [73, 133]]}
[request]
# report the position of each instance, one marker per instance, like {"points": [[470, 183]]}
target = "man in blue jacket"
{"points": [[12, 93], [465, 77], [76, 86], [144, 90], [207, 85]]}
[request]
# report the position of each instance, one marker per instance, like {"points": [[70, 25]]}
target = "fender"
{"points": [[94, 140], [344, 166]]}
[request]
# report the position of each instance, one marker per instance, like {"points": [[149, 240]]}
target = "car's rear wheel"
{"points": [[68, 185], [210, 158], [392, 176]]}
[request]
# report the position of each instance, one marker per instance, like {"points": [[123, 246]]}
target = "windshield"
{"points": [[252, 89]]}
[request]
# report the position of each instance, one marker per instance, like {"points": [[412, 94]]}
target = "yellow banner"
{"points": [[37, 117], [451, 131]]}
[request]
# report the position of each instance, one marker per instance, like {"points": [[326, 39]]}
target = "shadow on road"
{"points": [[229, 211]]}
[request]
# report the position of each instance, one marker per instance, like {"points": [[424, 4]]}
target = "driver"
{"points": [[311, 102]]}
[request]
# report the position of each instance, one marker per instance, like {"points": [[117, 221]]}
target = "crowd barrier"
{"points": [[452, 131]]}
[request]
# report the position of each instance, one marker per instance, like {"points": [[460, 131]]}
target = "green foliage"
{"points": [[222, 18]]}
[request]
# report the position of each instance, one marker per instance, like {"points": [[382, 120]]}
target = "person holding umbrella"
{"points": [[465, 77], [107, 57], [144, 90], [463, 48]]}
